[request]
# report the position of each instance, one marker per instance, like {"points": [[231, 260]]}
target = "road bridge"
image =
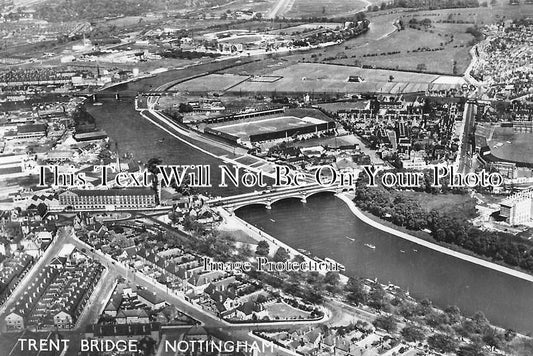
{"points": [[269, 197]]}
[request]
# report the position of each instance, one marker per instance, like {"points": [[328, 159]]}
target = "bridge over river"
{"points": [[269, 197]]}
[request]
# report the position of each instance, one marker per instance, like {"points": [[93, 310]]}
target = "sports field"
{"points": [[212, 82], [317, 77], [276, 124], [511, 144]]}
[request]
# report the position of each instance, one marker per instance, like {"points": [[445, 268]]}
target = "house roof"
{"points": [[150, 296], [123, 329], [132, 313], [110, 192]]}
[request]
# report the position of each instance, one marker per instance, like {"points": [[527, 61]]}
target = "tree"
{"points": [[376, 298], [355, 291], [509, 335], [153, 167], [474, 349], [13, 230], [298, 259], [262, 248], [493, 338], [454, 313], [332, 278], [385, 322], [42, 209], [480, 321], [185, 107], [413, 333], [281, 255], [442, 343], [261, 299]]}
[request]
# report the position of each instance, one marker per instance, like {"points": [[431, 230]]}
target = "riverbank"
{"points": [[231, 220], [359, 214]]}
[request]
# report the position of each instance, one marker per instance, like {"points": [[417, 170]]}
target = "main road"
{"points": [[213, 324], [465, 152]]}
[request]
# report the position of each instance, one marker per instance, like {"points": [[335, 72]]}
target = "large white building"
{"points": [[111, 199], [517, 209]]}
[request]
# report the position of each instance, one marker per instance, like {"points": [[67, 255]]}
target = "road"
{"points": [[465, 154], [52, 251], [213, 324]]}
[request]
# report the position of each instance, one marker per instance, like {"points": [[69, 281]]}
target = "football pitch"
{"points": [[245, 129]]}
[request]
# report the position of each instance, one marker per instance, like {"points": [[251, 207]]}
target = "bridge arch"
{"points": [[268, 202]]}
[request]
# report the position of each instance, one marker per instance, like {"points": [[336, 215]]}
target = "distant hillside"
{"points": [[71, 10]]}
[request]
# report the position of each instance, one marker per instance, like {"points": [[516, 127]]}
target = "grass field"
{"points": [[506, 143], [461, 206], [212, 82], [322, 8], [319, 77], [408, 43], [285, 311], [245, 129]]}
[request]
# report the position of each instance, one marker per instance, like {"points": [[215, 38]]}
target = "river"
{"points": [[325, 226]]}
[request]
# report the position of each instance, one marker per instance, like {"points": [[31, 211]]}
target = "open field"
{"points": [[322, 8], [254, 5], [213, 82], [458, 205], [508, 144], [326, 78], [285, 311], [435, 48]]}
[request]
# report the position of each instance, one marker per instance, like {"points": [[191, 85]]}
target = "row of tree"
{"points": [[445, 227]]}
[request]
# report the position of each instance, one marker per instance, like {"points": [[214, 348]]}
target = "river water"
{"points": [[325, 226]]}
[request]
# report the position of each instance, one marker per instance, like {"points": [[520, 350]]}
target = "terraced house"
{"points": [[57, 297]]}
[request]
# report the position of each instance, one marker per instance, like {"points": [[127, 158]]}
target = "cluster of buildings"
{"points": [[23, 240], [45, 134], [21, 28], [58, 294], [354, 339], [13, 270], [504, 59], [407, 132], [131, 304], [226, 294]]}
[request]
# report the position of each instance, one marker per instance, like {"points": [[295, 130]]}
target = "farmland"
{"points": [[322, 8]]}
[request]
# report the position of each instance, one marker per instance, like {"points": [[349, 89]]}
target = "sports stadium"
{"points": [[268, 127]]}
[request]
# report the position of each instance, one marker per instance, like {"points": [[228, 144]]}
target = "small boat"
{"points": [[161, 140], [415, 250], [402, 251], [304, 252], [370, 246], [272, 220], [350, 238]]}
